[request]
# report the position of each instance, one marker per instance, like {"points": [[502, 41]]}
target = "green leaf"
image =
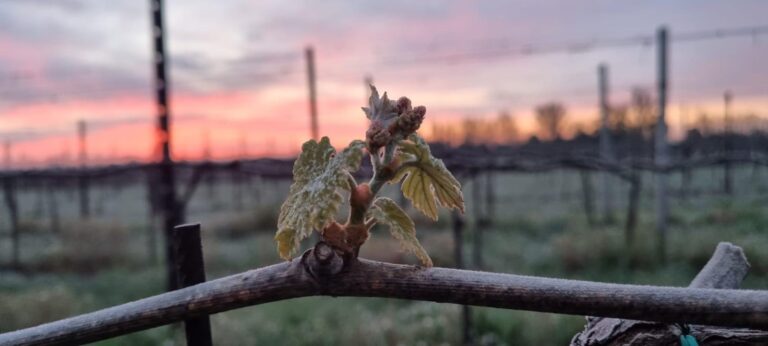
{"points": [[387, 212], [425, 180], [314, 199]]}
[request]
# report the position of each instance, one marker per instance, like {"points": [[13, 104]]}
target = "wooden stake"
{"points": [[727, 143], [477, 243], [660, 153], [83, 178], [190, 271], [606, 152], [587, 196], [632, 207], [7, 146], [458, 257], [490, 197], [53, 207], [311, 81], [13, 213]]}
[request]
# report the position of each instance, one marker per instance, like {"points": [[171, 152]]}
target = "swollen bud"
{"points": [[361, 196], [335, 234], [377, 136], [403, 105], [411, 120]]}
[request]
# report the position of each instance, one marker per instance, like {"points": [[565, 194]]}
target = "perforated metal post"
{"points": [[172, 214]]}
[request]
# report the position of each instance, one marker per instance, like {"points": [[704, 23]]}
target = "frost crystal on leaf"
{"points": [[426, 180], [387, 212], [314, 198]]}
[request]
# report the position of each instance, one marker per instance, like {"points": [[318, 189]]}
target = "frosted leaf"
{"points": [[387, 212], [314, 199]]}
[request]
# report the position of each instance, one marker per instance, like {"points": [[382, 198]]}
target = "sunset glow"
{"points": [[239, 89]]}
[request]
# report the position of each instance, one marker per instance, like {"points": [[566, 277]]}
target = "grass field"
{"points": [[539, 229]]}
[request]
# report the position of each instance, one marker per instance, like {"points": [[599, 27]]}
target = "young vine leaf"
{"points": [[425, 179], [397, 155], [314, 199], [402, 228]]}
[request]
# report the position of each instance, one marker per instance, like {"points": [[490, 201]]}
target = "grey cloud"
{"points": [[67, 79], [66, 6], [243, 44]]}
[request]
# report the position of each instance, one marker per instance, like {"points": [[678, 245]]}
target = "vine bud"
{"points": [[377, 136], [361, 196], [411, 120], [403, 105], [335, 235]]}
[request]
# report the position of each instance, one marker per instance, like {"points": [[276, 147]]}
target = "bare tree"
{"points": [[550, 118], [472, 129], [618, 118], [502, 130], [643, 111], [705, 124], [444, 133], [506, 128]]}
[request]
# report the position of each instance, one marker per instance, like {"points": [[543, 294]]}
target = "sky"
{"points": [[238, 76]]}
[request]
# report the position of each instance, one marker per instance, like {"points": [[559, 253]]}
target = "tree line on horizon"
{"points": [[635, 118]]}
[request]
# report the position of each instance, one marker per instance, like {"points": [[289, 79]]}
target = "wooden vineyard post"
{"points": [[458, 256], [490, 197], [660, 153], [190, 271], [634, 203], [309, 54], [686, 175], [98, 205], [606, 152], [587, 196], [39, 210], [13, 212], [7, 148], [477, 242], [210, 183], [53, 206], [153, 205], [237, 188], [256, 186], [83, 177], [727, 144]]}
